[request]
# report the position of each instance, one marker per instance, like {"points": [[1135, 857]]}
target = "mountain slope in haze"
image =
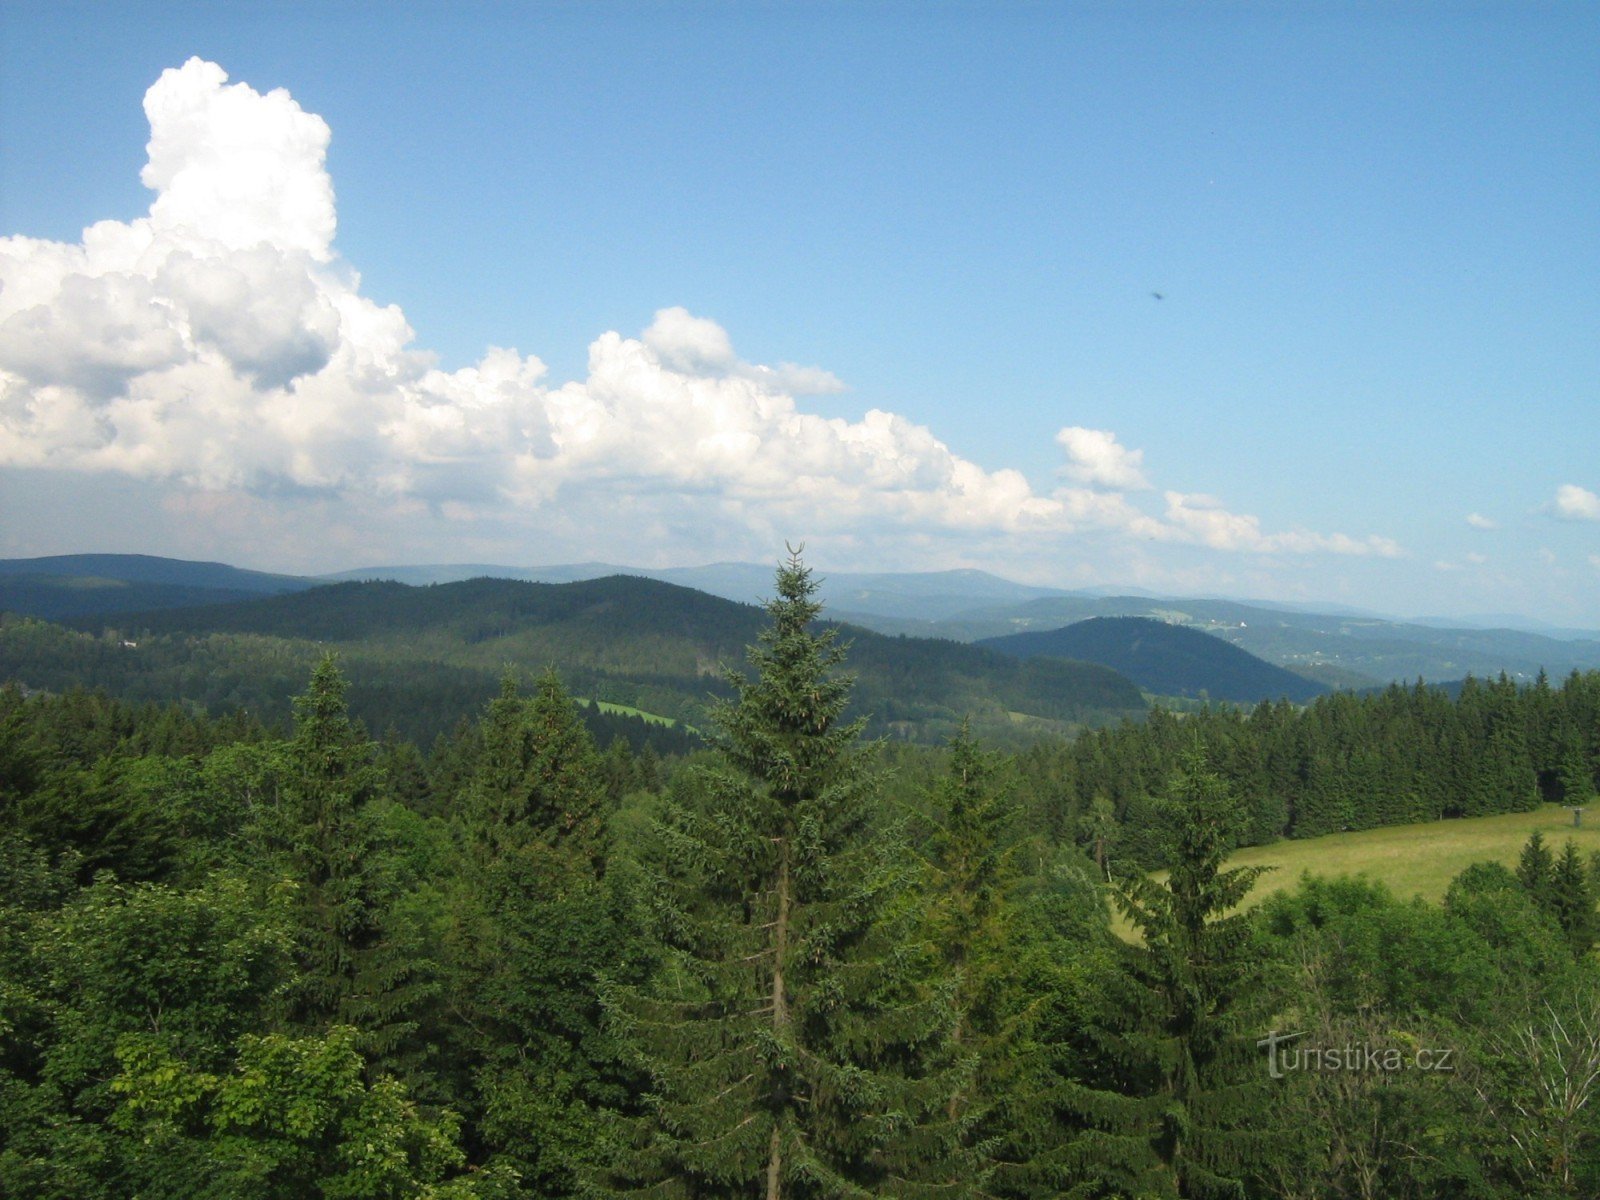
{"points": [[78, 585], [1337, 647], [1338, 650], [925, 595], [149, 568], [622, 639], [1167, 659]]}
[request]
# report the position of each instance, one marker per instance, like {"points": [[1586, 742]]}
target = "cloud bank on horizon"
{"points": [[220, 343]]}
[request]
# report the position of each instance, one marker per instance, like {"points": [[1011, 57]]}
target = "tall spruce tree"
{"points": [[359, 963], [532, 925], [795, 1051], [1571, 901], [969, 918], [1536, 872], [322, 836], [1179, 1108]]}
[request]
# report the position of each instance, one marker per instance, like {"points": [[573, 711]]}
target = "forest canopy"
{"points": [[245, 957]]}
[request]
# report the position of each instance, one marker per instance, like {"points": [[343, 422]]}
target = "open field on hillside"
{"points": [[1411, 860], [1416, 860], [625, 710]]}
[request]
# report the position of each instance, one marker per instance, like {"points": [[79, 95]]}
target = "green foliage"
{"points": [[322, 837], [287, 1118], [532, 922], [1488, 980], [192, 969], [1536, 871], [1538, 1088], [1571, 901], [1186, 1113], [792, 1046], [233, 964]]}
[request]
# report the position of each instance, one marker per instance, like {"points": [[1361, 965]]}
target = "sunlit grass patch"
{"points": [[1411, 860]]}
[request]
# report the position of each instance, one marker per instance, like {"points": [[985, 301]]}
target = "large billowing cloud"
{"points": [[220, 343]]}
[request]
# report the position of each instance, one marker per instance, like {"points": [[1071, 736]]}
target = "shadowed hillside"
{"points": [[84, 585], [1167, 659], [624, 640]]}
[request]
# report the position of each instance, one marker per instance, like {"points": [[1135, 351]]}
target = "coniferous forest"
{"points": [[783, 959]]}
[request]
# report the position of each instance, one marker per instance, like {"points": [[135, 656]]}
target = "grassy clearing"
{"points": [[606, 706], [1416, 860], [1411, 860]]}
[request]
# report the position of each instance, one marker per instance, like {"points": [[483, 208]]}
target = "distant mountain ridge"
{"points": [[1339, 650], [623, 639], [1170, 660], [64, 586], [149, 568], [1336, 646], [921, 594]]}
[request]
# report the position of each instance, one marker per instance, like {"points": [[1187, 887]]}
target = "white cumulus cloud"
{"points": [[1479, 521], [1574, 503], [1094, 458], [219, 343]]}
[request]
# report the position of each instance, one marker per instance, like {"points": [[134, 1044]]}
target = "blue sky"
{"points": [[1375, 230]]}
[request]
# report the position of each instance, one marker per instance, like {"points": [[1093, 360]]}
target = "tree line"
{"points": [[1346, 761]]}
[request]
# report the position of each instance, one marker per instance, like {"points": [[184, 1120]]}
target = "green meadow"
{"points": [[1411, 860], [1416, 860], [625, 710]]}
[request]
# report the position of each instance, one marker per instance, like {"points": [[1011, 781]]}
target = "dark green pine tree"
{"points": [[325, 835], [1502, 777], [1571, 901], [794, 1047], [1325, 804], [1572, 766], [970, 850], [969, 918], [322, 836], [1187, 1114], [532, 925], [538, 774], [1536, 872]]}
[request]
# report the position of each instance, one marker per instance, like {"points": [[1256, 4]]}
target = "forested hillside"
{"points": [[1343, 650], [1170, 660], [1340, 648], [253, 962], [418, 657]]}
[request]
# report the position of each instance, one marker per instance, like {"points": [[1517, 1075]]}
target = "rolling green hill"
{"points": [[1168, 659], [421, 657]]}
